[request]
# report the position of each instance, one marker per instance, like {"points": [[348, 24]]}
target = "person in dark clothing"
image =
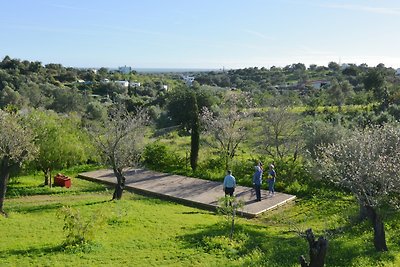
{"points": [[257, 180]]}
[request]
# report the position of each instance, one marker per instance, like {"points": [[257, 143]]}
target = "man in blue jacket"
{"points": [[257, 180]]}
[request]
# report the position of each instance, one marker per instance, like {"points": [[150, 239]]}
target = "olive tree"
{"points": [[119, 141], [228, 125], [16, 146], [281, 133], [60, 141], [368, 164], [338, 91], [319, 133]]}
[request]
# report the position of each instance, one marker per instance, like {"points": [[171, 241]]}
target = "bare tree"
{"points": [[280, 133], [368, 164], [16, 146], [228, 126], [119, 141]]}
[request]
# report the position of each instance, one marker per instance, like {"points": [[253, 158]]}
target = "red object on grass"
{"points": [[62, 180]]}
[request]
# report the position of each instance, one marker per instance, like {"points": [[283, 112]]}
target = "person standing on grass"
{"points": [[229, 184], [271, 179], [257, 180]]}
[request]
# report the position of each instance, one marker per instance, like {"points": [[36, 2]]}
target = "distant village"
{"points": [[188, 80]]}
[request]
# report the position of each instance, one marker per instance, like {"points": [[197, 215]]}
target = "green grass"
{"points": [[33, 184], [143, 231], [321, 109]]}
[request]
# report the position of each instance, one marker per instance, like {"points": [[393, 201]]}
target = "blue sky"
{"points": [[201, 33]]}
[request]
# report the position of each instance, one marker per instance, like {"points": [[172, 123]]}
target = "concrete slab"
{"points": [[193, 191]]}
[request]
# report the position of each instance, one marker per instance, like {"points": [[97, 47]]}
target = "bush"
{"points": [[394, 110], [243, 171], [80, 230], [157, 157]]}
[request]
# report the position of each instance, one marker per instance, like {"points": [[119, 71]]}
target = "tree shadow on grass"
{"points": [[353, 242], [33, 251], [51, 206], [194, 212], [56, 249], [18, 191], [275, 249], [343, 253], [248, 239]]}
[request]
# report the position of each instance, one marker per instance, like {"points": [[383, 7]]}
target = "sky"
{"points": [[201, 33]]}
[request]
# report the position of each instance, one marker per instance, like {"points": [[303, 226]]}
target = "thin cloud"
{"points": [[259, 34], [361, 8]]}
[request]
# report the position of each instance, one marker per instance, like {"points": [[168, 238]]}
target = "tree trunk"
{"points": [[363, 212], [194, 144], [119, 187], [47, 176], [233, 220], [195, 134], [50, 179], [4, 175], [379, 230], [317, 250]]}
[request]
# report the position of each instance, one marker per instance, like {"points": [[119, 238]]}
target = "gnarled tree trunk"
{"points": [[119, 187], [317, 250], [47, 176], [379, 229], [363, 213], [4, 175]]}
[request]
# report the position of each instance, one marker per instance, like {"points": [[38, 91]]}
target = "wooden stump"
{"points": [[317, 250]]}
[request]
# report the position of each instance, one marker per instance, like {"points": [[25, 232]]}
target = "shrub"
{"points": [[394, 110], [80, 230], [243, 171], [157, 157]]}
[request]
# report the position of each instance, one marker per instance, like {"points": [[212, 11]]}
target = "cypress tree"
{"points": [[195, 134]]}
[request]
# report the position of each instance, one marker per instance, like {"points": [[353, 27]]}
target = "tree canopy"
{"points": [[16, 146], [368, 164], [119, 140]]}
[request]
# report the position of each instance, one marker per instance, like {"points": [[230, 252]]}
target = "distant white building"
{"points": [[344, 66], [318, 83], [123, 83], [135, 84], [125, 69], [398, 72], [188, 79]]}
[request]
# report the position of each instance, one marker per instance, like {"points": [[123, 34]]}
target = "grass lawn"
{"points": [[144, 231]]}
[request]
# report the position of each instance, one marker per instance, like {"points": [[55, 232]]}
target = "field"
{"points": [[143, 231]]}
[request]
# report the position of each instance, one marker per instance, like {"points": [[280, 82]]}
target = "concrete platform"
{"points": [[192, 191]]}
